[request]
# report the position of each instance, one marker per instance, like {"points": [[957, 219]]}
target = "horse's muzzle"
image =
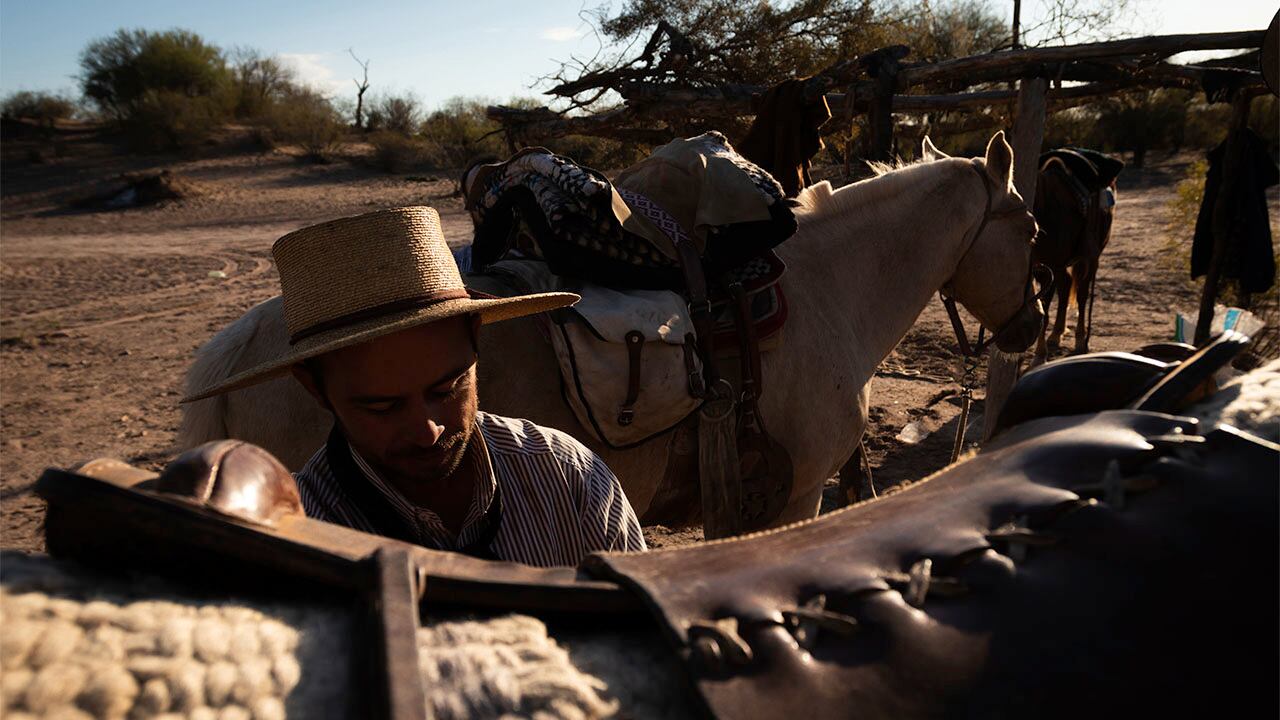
{"points": [[1027, 325], [1023, 329]]}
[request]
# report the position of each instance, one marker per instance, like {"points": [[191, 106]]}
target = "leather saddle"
{"points": [[695, 218], [1092, 169], [1119, 563]]}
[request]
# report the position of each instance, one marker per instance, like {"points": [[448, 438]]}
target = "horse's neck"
{"points": [[879, 250]]}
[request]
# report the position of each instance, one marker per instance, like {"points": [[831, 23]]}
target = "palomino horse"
{"points": [[863, 264], [1074, 230]]}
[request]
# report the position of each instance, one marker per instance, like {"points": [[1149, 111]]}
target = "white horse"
{"points": [[863, 264]]}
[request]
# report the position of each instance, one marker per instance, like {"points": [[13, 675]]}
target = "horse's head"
{"points": [[993, 277]]}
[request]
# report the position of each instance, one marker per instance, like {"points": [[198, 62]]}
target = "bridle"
{"points": [[1039, 272], [972, 353]]}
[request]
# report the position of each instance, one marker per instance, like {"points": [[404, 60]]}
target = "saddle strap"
{"points": [[699, 307]]}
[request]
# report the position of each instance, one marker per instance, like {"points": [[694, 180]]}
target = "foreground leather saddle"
{"points": [[1071, 569], [1162, 377], [1120, 563]]}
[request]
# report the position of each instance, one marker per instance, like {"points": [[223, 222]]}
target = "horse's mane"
{"points": [[884, 168], [819, 201]]}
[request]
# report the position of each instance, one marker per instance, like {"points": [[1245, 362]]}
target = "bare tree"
{"points": [[361, 87], [1064, 21]]}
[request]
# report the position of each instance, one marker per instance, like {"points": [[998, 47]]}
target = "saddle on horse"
{"points": [[1111, 564], [675, 264]]}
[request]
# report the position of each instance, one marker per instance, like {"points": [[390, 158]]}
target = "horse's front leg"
{"points": [[1084, 297], [1042, 349], [856, 483], [1063, 291]]}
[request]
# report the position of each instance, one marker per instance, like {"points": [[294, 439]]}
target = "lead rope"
{"points": [[970, 364]]}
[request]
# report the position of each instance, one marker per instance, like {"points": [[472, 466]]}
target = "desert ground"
{"points": [[100, 310]]}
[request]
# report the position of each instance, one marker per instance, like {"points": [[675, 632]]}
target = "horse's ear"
{"points": [[930, 152], [1000, 160]]}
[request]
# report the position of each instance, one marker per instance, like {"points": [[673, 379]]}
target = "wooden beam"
{"points": [[1028, 136], [1160, 45]]}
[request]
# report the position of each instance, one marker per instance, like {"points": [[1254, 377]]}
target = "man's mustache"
{"points": [[442, 447]]}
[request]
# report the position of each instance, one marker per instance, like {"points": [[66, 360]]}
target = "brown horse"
{"points": [[1075, 224]]}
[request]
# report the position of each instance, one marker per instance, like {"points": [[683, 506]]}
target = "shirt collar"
{"points": [[430, 529]]}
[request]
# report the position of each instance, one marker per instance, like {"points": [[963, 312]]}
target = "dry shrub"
{"points": [[304, 118], [395, 152], [43, 107], [595, 152], [397, 114]]}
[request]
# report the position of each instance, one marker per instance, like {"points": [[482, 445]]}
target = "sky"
{"points": [[432, 49]]}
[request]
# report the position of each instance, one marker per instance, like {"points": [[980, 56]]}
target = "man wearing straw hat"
{"points": [[382, 333]]}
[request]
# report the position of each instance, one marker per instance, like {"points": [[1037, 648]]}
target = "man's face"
{"points": [[406, 401]]}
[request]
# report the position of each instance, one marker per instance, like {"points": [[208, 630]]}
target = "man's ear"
{"points": [[311, 383]]}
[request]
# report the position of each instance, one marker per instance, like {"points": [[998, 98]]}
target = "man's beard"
{"points": [[434, 464]]}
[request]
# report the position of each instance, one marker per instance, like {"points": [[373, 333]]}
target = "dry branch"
{"points": [[1157, 45], [1105, 67]]}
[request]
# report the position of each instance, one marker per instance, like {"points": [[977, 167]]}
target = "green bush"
{"points": [[164, 119], [395, 152], [41, 106], [459, 131], [304, 118]]}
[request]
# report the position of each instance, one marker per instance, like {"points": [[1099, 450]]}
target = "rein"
{"points": [[971, 353]]}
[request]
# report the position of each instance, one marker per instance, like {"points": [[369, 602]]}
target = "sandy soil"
{"points": [[101, 310]]}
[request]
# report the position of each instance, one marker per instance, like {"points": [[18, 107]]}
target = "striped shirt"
{"points": [[558, 501]]}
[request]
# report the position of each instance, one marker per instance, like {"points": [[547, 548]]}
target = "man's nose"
{"points": [[431, 432], [427, 429]]}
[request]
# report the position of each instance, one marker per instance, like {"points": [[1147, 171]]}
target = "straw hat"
{"points": [[349, 281]]}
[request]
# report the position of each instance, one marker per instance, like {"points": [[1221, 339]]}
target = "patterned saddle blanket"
{"points": [[621, 234]]}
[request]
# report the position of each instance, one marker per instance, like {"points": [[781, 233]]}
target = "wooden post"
{"points": [[396, 686], [1232, 157], [1028, 136], [880, 114], [1017, 21]]}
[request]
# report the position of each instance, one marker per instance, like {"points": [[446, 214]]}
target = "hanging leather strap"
{"points": [[635, 344]]}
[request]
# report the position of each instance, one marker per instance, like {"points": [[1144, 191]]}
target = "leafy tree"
{"points": [[118, 72], [258, 81]]}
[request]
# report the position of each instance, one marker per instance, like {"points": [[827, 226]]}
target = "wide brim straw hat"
{"points": [[352, 280]]}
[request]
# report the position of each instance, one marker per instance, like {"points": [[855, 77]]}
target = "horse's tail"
{"points": [[1075, 271], [216, 360]]}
